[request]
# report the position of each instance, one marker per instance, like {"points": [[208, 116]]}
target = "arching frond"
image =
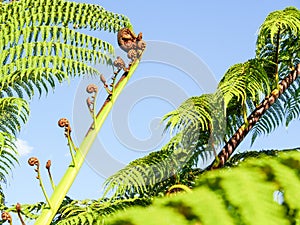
{"points": [[244, 81], [95, 211], [13, 113], [56, 12], [292, 104], [158, 171], [272, 119], [41, 73], [278, 40], [195, 112], [40, 45], [278, 25]]}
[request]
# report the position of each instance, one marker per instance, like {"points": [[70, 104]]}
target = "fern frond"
{"points": [[37, 35], [244, 81], [59, 12], [88, 212], [292, 104], [278, 39], [195, 112], [241, 195], [39, 72], [272, 119], [155, 173], [283, 22], [13, 113]]}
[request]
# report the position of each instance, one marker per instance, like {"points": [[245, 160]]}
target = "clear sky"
{"points": [[216, 33]]}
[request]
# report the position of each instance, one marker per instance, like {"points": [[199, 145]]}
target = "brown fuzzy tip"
{"points": [[63, 122], [102, 78], [18, 207], [91, 88], [6, 216], [33, 161], [48, 164]]}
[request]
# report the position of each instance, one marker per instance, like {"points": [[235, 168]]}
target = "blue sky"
{"points": [[219, 33]]}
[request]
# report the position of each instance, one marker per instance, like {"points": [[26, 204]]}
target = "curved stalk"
{"points": [[63, 187], [252, 119]]}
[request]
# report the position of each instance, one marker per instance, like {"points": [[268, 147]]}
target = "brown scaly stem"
{"points": [[253, 118]]}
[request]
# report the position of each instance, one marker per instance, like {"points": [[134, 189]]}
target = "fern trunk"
{"points": [[252, 119]]}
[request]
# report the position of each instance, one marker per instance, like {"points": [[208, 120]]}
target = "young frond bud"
{"points": [[119, 63], [6, 216], [18, 207], [33, 161], [132, 54], [102, 78], [63, 122], [91, 88], [48, 164]]}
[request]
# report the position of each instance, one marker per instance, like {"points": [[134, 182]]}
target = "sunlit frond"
{"points": [[235, 196]]}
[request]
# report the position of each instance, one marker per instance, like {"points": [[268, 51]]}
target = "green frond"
{"points": [[283, 22], [278, 38], [88, 212], [242, 195], [39, 72], [154, 174], [292, 105], [142, 174], [195, 113], [60, 12], [13, 113], [271, 119], [39, 45], [244, 81], [45, 41]]}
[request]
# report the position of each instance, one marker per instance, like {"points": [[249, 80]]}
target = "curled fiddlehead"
{"points": [[63, 122], [33, 161]]}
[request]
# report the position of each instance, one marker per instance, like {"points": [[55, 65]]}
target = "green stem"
{"points": [[51, 180], [43, 187], [63, 187], [72, 148]]}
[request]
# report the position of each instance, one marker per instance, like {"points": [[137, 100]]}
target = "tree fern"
{"points": [[278, 42], [243, 97]]}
